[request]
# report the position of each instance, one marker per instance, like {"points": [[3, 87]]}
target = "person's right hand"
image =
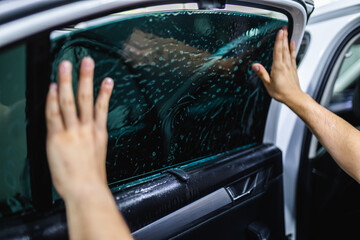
{"points": [[283, 83]]}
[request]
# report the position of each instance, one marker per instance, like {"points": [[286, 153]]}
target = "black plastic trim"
{"points": [[179, 173], [38, 80]]}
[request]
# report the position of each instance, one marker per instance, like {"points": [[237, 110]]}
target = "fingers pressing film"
{"points": [[282, 54], [293, 53], [54, 121], [261, 72], [102, 103], [286, 52], [60, 105], [277, 55], [85, 90], [66, 96]]}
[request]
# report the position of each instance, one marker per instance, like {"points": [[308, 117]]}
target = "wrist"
{"points": [[294, 99], [86, 191], [301, 104]]}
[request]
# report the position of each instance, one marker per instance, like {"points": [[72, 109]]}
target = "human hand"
{"points": [[76, 145], [283, 83]]}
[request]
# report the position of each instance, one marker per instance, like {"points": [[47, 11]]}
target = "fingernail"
{"points": [[281, 33], [285, 28], [109, 82], [87, 63], [256, 68], [65, 67], [292, 43], [53, 87]]}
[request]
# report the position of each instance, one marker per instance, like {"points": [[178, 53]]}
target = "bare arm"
{"points": [[76, 149], [338, 137]]}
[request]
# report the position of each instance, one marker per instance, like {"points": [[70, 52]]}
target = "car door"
{"points": [[329, 195], [187, 117]]}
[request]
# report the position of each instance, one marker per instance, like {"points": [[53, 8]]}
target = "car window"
{"points": [[346, 88], [15, 193], [184, 89], [305, 42], [342, 93]]}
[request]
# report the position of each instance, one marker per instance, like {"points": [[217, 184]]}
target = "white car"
{"points": [[321, 201], [194, 144]]}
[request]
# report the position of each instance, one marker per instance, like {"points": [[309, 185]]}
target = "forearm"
{"points": [[337, 136], [92, 214]]}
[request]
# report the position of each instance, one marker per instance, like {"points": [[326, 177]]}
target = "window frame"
{"points": [[39, 38], [36, 86], [100, 24]]}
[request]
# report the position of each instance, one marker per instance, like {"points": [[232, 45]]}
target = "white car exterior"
{"points": [[328, 26]]}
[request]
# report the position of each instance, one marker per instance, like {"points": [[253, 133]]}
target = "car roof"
{"points": [[13, 9], [335, 9], [22, 18]]}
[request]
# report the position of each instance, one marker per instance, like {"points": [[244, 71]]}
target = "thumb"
{"points": [[261, 72]]}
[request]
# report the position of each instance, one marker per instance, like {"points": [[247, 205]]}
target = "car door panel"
{"points": [[209, 210], [226, 186], [221, 200], [168, 193]]}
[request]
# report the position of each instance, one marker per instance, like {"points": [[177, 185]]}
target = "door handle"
{"points": [[243, 187]]}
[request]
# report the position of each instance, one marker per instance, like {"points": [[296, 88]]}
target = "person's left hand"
{"points": [[76, 143]]}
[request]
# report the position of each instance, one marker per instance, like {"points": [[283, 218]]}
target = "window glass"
{"points": [[184, 88], [14, 168], [305, 42], [345, 96]]}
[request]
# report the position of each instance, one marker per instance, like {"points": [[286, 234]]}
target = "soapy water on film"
{"points": [[168, 111]]}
